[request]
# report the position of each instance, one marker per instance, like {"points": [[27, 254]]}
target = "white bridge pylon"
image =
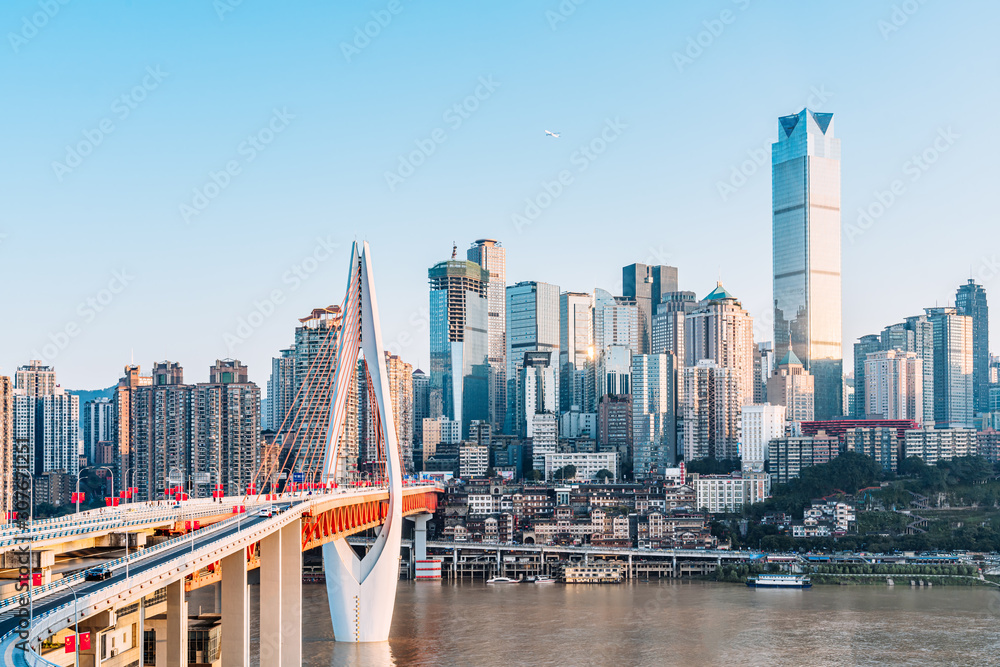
{"points": [[362, 592]]}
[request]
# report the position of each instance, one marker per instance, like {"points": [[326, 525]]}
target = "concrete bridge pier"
{"points": [[177, 624], [235, 611], [281, 597]]}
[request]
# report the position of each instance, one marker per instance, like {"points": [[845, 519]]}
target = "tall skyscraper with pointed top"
{"points": [[971, 300], [805, 188], [492, 257]]}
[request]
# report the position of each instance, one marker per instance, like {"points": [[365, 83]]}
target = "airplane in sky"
{"points": [[554, 135]]}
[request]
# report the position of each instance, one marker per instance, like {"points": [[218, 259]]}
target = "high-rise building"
{"points": [[459, 336], [576, 348], [792, 386], [939, 444], [616, 321], [805, 182], [865, 345], [535, 391], [492, 257], [35, 379], [532, 326], [880, 443], [894, 385], [764, 363], [719, 329], [124, 454], [544, 438], [711, 410], [47, 419], [280, 388], [6, 449], [668, 323], [971, 301], [788, 456], [646, 285], [162, 427], [400, 375], [98, 426], [226, 445], [437, 431], [654, 414], [613, 374], [421, 411], [953, 396], [614, 424], [759, 425]]}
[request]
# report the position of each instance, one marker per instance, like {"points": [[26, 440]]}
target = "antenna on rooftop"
{"points": [[454, 250]]}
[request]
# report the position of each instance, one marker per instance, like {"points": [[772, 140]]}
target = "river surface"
{"points": [[664, 623]]}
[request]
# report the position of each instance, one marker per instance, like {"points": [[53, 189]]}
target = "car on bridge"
{"points": [[265, 511], [99, 573]]}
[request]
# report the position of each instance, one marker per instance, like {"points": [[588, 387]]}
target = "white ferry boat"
{"points": [[501, 580], [544, 579], [778, 581]]}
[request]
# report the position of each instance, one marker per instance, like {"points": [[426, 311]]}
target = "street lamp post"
{"points": [[76, 625]]}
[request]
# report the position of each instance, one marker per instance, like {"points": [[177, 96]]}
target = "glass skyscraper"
{"points": [[460, 369], [805, 172], [532, 326]]}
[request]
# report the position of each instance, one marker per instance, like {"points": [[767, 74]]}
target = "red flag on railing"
{"points": [[77, 497], [71, 643], [36, 578], [217, 494], [111, 502], [251, 489], [85, 641]]}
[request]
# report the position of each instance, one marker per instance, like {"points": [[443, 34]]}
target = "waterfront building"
{"points": [[492, 257], [894, 385], [939, 444], [788, 456], [759, 424], [459, 341], [654, 414], [719, 329], [805, 182], [970, 301], [544, 438], [793, 387], [532, 326], [711, 411], [576, 349], [729, 493], [646, 285]]}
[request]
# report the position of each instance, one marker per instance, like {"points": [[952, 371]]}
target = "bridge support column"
{"points": [[177, 625], [420, 535], [235, 611], [281, 597], [361, 592]]}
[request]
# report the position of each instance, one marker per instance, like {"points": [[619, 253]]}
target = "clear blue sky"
{"points": [[652, 195]]}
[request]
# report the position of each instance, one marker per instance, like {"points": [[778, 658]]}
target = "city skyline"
{"points": [[671, 174]]}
